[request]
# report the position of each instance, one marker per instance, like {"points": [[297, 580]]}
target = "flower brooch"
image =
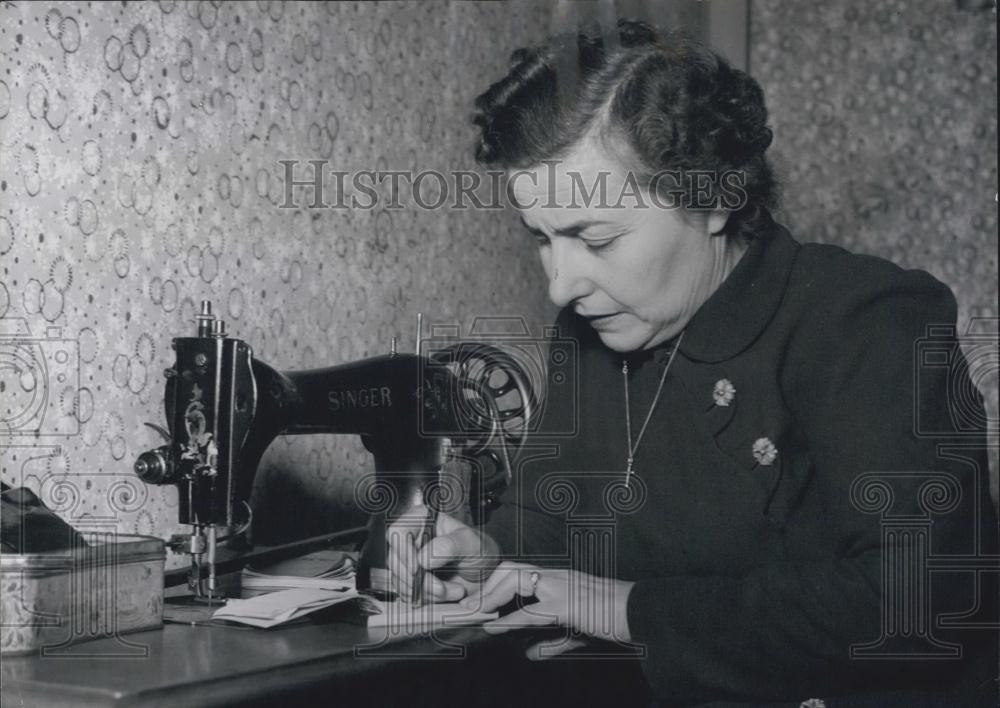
{"points": [[724, 392], [764, 451]]}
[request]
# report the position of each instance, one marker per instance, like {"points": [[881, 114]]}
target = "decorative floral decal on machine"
{"points": [[200, 445]]}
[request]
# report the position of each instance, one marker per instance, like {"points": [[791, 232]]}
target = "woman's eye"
{"points": [[599, 244], [541, 240]]}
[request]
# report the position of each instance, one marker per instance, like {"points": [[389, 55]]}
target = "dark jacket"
{"points": [[820, 572]]}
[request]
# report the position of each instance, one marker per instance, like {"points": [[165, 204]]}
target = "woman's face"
{"points": [[639, 272]]}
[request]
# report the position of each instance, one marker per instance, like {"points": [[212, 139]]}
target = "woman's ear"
{"points": [[717, 219]]}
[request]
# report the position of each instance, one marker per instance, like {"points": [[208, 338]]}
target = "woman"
{"points": [[744, 402]]}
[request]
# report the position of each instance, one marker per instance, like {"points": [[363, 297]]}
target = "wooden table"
{"points": [[212, 665], [334, 661]]}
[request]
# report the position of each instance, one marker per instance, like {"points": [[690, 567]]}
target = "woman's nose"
{"points": [[567, 281]]}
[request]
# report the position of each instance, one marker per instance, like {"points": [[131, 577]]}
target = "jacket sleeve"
{"points": [[786, 630]]}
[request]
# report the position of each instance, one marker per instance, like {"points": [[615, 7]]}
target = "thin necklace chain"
{"points": [[628, 408]]}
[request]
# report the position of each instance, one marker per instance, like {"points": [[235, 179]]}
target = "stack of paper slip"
{"points": [[254, 583], [275, 608], [326, 563], [321, 570], [344, 568]]}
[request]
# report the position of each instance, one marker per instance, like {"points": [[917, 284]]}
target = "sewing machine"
{"points": [[413, 413]]}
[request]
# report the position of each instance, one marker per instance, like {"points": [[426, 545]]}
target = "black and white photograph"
{"points": [[458, 353]]}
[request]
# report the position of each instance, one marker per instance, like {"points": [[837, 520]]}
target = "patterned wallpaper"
{"points": [[885, 126], [139, 174]]}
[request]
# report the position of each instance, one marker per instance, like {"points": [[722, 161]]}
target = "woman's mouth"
{"points": [[601, 322]]}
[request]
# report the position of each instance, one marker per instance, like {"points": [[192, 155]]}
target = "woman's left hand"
{"points": [[589, 604]]}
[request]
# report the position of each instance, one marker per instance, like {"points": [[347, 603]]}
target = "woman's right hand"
{"points": [[455, 561]]}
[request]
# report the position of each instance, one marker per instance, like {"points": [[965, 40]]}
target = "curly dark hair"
{"points": [[679, 105]]}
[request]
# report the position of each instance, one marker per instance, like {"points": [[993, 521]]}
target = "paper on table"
{"points": [[275, 608], [326, 563], [254, 583], [321, 570], [404, 617], [282, 606]]}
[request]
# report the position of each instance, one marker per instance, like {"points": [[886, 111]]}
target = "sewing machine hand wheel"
{"points": [[496, 411]]}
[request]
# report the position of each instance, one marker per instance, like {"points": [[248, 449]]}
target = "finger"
{"points": [[504, 573], [438, 590], [500, 589], [499, 575], [474, 541], [447, 524], [398, 540], [439, 551], [460, 544], [520, 619], [552, 647]]}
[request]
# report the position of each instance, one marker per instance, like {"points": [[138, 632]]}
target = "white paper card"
{"points": [[283, 606]]}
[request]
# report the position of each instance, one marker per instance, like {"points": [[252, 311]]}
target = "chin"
{"points": [[622, 341]]}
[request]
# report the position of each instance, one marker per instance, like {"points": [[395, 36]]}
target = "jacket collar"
{"points": [[735, 315]]}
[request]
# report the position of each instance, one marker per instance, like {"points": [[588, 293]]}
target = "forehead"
{"points": [[568, 189]]}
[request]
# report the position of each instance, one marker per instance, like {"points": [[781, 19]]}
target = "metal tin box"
{"points": [[54, 599]]}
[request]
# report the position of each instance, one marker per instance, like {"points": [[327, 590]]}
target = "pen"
{"points": [[426, 534]]}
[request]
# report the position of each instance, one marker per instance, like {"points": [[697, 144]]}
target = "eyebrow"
{"points": [[571, 230]]}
